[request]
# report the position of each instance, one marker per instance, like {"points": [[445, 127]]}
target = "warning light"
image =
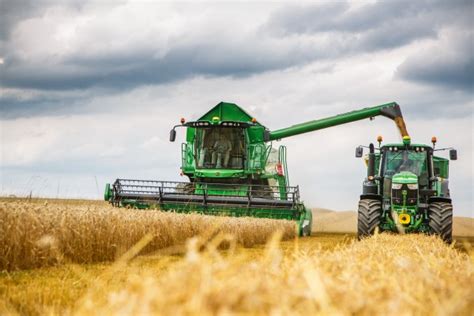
{"points": [[183, 120], [379, 138], [254, 120], [406, 140], [279, 169]]}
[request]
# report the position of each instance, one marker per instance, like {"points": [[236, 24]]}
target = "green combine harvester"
{"points": [[234, 169], [406, 190]]}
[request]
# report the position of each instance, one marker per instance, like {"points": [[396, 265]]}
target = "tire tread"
{"points": [[441, 220], [368, 218]]}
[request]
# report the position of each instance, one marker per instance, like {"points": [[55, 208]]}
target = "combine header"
{"points": [[234, 169]]}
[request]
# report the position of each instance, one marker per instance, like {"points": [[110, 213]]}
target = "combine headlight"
{"points": [[413, 186], [396, 186]]}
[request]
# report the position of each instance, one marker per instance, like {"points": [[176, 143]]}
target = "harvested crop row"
{"points": [[383, 275], [34, 235]]}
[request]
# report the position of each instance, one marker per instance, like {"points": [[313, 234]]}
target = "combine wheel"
{"points": [[440, 215], [306, 224], [368, 218], [306, 231]]}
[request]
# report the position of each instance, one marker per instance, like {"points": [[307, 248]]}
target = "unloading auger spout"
{"points": [[390, 110]]}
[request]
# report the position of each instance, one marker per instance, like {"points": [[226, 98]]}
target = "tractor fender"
{"points": [[439, 199], [370, 196]]}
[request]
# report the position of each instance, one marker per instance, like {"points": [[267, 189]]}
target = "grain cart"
{"points": [[406, 190], [234, 169]]}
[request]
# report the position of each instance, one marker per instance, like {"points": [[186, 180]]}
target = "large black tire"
{"points": [[368, 217], [440, 215], [306, 231]]}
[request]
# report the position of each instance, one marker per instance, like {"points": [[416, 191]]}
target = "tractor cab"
{"points": [[415, 169], [406, 168]]}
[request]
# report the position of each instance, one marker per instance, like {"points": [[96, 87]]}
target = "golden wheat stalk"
{"points": [[35, 234], [382, 275]]}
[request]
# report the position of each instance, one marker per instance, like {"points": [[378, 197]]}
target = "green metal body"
{"points": [[408, 177], [228, 146], [390, 110]]}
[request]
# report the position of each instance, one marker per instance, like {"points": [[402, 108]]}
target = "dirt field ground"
{"points": [[327, 274]]}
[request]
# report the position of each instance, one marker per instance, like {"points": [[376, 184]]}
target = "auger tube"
{"points": [[390, 110]]}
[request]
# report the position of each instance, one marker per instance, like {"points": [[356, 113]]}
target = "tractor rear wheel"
{"points": [[368, 217], [440, 216]]}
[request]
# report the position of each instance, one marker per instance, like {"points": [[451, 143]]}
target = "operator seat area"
{"points": [[220, 148]]}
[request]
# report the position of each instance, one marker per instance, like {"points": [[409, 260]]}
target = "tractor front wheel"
{"points": [[368, 217], [440, 215]]}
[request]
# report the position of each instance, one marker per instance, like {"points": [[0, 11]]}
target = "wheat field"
{"points": [[383, 275], [40, 233], [321, 275]]}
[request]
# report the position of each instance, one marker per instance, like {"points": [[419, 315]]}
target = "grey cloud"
{"points": [[12, 107], [308, 19], [339, 17], [457, 74], [393, 35], [453, 69], [13, 12], [370, 28], [139, 68], [382, 25]]}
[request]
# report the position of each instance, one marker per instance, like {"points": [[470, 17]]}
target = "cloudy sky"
{"points": [[90, 89]]}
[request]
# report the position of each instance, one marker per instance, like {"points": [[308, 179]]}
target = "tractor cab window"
{"points": [[405, 160], [220, 148]]}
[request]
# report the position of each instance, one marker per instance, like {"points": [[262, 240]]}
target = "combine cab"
{"points": [[406, 190], [234, 169]]}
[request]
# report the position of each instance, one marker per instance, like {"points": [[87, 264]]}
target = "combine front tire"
{"points": [[368, 217], [440, 215], [306, 224]]}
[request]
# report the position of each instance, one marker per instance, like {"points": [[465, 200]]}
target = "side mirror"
{"points": [[172, 135], [453, 154], [359, 152]]}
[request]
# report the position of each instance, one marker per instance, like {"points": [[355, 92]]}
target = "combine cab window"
{"points": [[220, 148], [405, 160]]}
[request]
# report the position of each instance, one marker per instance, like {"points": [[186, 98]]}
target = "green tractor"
{"points": [[234, 168], [406, 190]]}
